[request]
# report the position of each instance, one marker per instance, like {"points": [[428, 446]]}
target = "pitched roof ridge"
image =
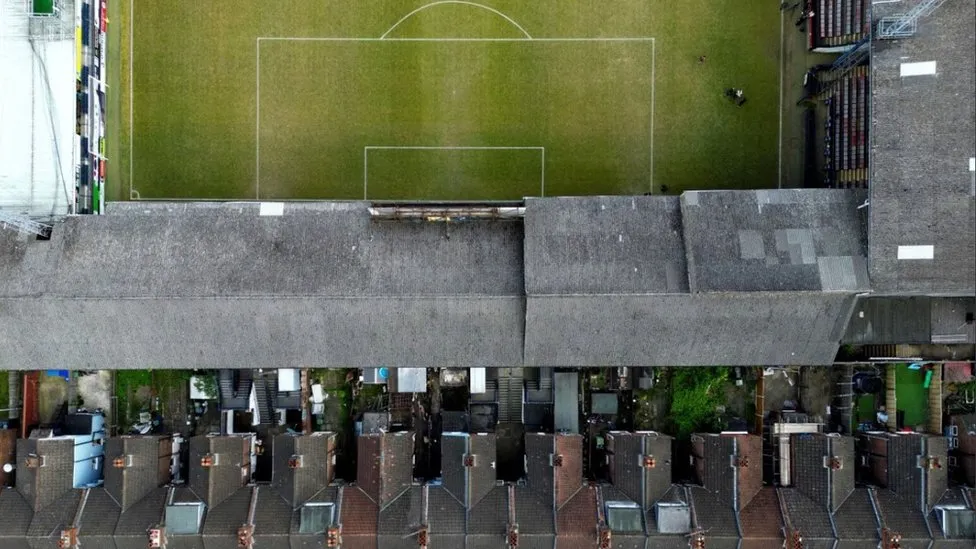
{"points": [[365, 493], [117, 502]]}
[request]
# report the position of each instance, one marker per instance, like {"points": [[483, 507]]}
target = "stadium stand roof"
{"points": [[594, 280], [923, 141], [784, 240]]}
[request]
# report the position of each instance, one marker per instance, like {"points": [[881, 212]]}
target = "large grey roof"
{"points": [[218, 284], [802, 328], [777, 240], [604, 244], [923, 135]]}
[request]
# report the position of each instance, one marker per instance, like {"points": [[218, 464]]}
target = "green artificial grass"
{"points": [[912, 397], [194, 109]]}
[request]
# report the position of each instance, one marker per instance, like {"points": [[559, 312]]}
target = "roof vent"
{"points": [[33, 461], [156, 538], [296, 462], [648, 462], [210, 460], [333, 537], [122, 462], [469, 460]]}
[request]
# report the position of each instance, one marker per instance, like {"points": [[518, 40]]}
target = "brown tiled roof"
{"points": [[569, 476], [369, 448], [359, 516], [750, 481], [8, 454], [577, 518], [761, 518]]}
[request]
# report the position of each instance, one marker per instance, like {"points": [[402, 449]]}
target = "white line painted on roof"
{"points": [[920, 68], [916, 252], [272, 209]]}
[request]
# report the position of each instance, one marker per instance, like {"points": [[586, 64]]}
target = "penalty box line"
{"points": [[257, 92], [367, 148]]}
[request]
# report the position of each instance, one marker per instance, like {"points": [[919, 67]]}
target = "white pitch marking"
{"points": [[461, 2], [132, 96], [779, 168], [257, 125], [346, 39]]}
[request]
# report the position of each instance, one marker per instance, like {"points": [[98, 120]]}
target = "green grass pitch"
{"points": [[449, 100]]}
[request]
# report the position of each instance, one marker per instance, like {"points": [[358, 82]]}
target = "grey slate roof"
{"points": [[216, 483], [855, 520], [17, 516], [99, 518], [44, 486], [130, 484], [714, 515], [923, 133], [806, 515], [300, 484], [47, 524], [321, 284], [777, 240], [802, 328], [604, 245]]}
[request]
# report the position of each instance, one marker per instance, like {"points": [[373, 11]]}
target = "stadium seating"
{"points": [[837, 22], [845, 138]]}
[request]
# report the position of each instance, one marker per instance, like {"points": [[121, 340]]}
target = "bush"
{"points": [[696, 393]]}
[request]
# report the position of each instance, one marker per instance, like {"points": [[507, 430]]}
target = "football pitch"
{"points": [[445, 100]]}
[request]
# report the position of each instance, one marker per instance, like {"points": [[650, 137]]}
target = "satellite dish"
{"points": [[8, 467], [384, 373]]}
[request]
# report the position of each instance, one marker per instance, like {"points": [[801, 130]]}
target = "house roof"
{"points": [[855, 519], [99, 517], [640, 484], [775, 240], [911, 320], [314, 471], [146, 467], [142, 515], [604, 245], [923, 135], [44, 486], [576, 519], [49, 521], [902, 516], [807, 516], [273, 514], [782, 328], [217, 482], [17, 515], [569, 475], [359, 515], [824, 485], [729, 466], [761, 518], [401, 519], [446, 516], [715, 516], [226, 517]]}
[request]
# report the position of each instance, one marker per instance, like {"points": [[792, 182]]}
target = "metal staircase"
{"points": [[510, 395], [264, 403], [906, 24]]}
